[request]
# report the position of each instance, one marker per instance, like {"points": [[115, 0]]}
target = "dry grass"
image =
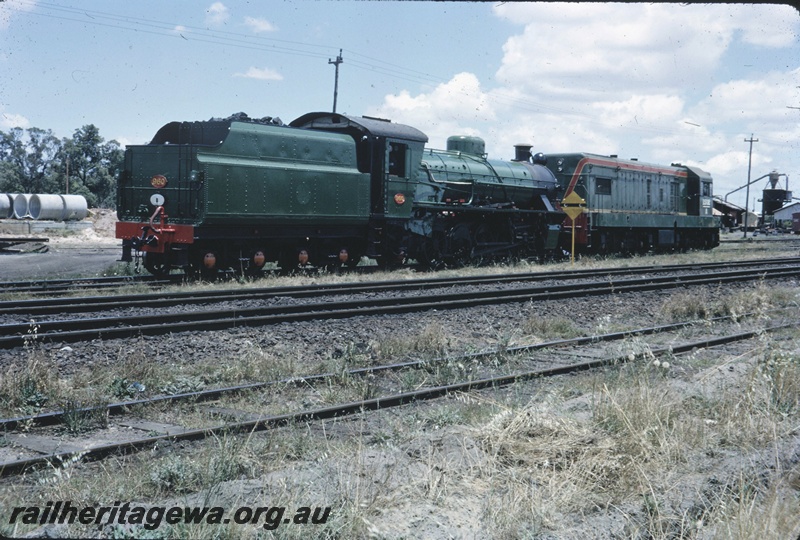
{"points": [[762, 299], [644, 446], [755, 513], [432, 341], [547, 328], [630, 450], [702, 449]]}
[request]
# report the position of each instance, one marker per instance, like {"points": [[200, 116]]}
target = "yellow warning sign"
{"points": [[573, 205], [573, 199], [573, 211]]}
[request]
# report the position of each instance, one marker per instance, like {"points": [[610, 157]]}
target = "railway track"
{"points": [[159, 323], [387, 400], [48, 306], [56, 417], [52, 287]]}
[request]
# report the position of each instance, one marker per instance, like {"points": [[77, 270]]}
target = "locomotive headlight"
{"points": [[399, 199], [560, 161], [193, 176]]}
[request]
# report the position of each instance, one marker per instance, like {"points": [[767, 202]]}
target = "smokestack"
{"points": [[522, 152]]}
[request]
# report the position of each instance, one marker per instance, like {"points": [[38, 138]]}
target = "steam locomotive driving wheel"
{"points": [[459, 244]]}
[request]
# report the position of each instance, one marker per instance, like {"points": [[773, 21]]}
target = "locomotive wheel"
{"points": [[427, 254], [156, 264], [484, 247], [459, 245], [208, 265], [256, 263]]}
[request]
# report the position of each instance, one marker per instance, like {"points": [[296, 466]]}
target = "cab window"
{"points": [[397, 159]]}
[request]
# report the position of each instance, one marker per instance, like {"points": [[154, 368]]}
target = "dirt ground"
{"points": [[82, 253]]}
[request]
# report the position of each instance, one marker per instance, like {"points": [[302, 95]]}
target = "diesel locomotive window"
{"points": [[397, 159], [602, 186], [706, 189]]}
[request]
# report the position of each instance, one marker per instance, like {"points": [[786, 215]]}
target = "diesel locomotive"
{"points": [[328, 189]]}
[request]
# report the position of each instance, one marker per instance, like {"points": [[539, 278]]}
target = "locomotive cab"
{"points": [[390, 153]]}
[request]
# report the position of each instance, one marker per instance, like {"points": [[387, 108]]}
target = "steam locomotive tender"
{"points": [[327, 189]]}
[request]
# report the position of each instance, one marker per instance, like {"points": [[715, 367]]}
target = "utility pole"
{"points": [[336, 82], [751, 140]]}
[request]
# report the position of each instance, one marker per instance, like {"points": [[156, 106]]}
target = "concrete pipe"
{"points": [[21, 202], [75, 207], [11, 197], [48, 207], [6, 206]]}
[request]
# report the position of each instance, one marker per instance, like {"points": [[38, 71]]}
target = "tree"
{"points": [[93, 166], [29, 159], [37, 162]]}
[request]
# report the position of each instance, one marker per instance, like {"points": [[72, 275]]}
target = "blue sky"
{"points": [[661, 82]]}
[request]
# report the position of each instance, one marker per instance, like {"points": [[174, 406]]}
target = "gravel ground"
{"points": [[382, 481], [466, 330], [84, 253]]}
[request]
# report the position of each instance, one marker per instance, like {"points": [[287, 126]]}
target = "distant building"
{"points": [[732, 216], [783, 216]]}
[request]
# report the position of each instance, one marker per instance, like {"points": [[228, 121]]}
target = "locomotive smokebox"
{"points": [[466, 144], [522, 152]]}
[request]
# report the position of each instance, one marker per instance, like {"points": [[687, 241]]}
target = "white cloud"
{"points": [[606, 48], [262, 74], [259, 25], [764, 100], [447, 110], [9, 7], [126, 141], [731, 162], [217, 14], [644, 109], [8, 120], [661, 82]]}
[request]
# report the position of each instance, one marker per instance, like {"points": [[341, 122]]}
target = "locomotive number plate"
{"points": [[158, 181]]}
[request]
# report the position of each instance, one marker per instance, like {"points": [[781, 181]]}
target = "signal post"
{"points": [[573, 205]]}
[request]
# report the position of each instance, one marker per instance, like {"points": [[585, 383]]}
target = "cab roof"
{"points": [[364, 124]]}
